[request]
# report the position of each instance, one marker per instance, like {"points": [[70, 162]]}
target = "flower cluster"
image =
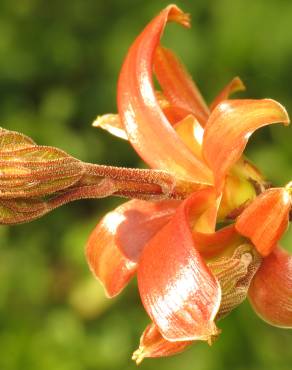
{"points": [[191, 272]]}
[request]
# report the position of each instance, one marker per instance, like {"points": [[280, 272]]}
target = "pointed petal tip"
{"points": [[178, 16], [112, 124], [139, 355], [281, 114], [238, 84], [153, 344], [214, 336], [233, 86]]}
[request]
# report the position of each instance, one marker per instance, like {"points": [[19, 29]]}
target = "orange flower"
{"points": [[189, 275]]}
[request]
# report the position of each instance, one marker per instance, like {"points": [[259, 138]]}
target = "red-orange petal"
{"points": [[270, 292], [234, 85], [266, 219], [152, 344], [178, 291], [214, 244], [177, 84], [175, 114], [147, 127], [230, 125], [116, 243]]}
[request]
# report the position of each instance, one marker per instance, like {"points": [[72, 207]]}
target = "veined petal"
{"points": [[266, 219], [177, 289], [115, 244], [234, 273], [235, 121], [152, 344], [147, 127], [270, 293], [177, 84], [234, 85]]}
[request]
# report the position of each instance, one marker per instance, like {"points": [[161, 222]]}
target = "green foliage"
{"points": [[59, 63]]}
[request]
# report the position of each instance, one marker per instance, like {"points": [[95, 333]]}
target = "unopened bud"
{"points": [[29, 170]]}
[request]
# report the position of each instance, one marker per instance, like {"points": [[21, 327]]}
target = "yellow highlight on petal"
{"points": [[191, 133]]}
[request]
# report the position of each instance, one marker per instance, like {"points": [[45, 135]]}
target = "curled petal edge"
{"points": [[236, 120], [114, 246]]}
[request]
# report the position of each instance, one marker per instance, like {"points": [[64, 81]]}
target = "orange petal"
{"points": [[234, 85], [214, 244], [174, 114], [152, 344], [265, 220], [147, 127], [178, 290], [115, 244], [270, 292], [177, 84], [229, 127]]}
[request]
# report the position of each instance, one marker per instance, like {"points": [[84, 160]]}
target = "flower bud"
{"points": [[29, 170]]}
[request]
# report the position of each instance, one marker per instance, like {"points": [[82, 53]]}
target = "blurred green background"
{"points": [[59, 64]]}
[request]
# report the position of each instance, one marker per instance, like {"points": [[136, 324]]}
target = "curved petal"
{"points": [[235, 121], [152, 344], [214, 244], [270, 293], [234, 85], [115, 244], [178, 290], [177, 84], [147, 127], [265, 220]]}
